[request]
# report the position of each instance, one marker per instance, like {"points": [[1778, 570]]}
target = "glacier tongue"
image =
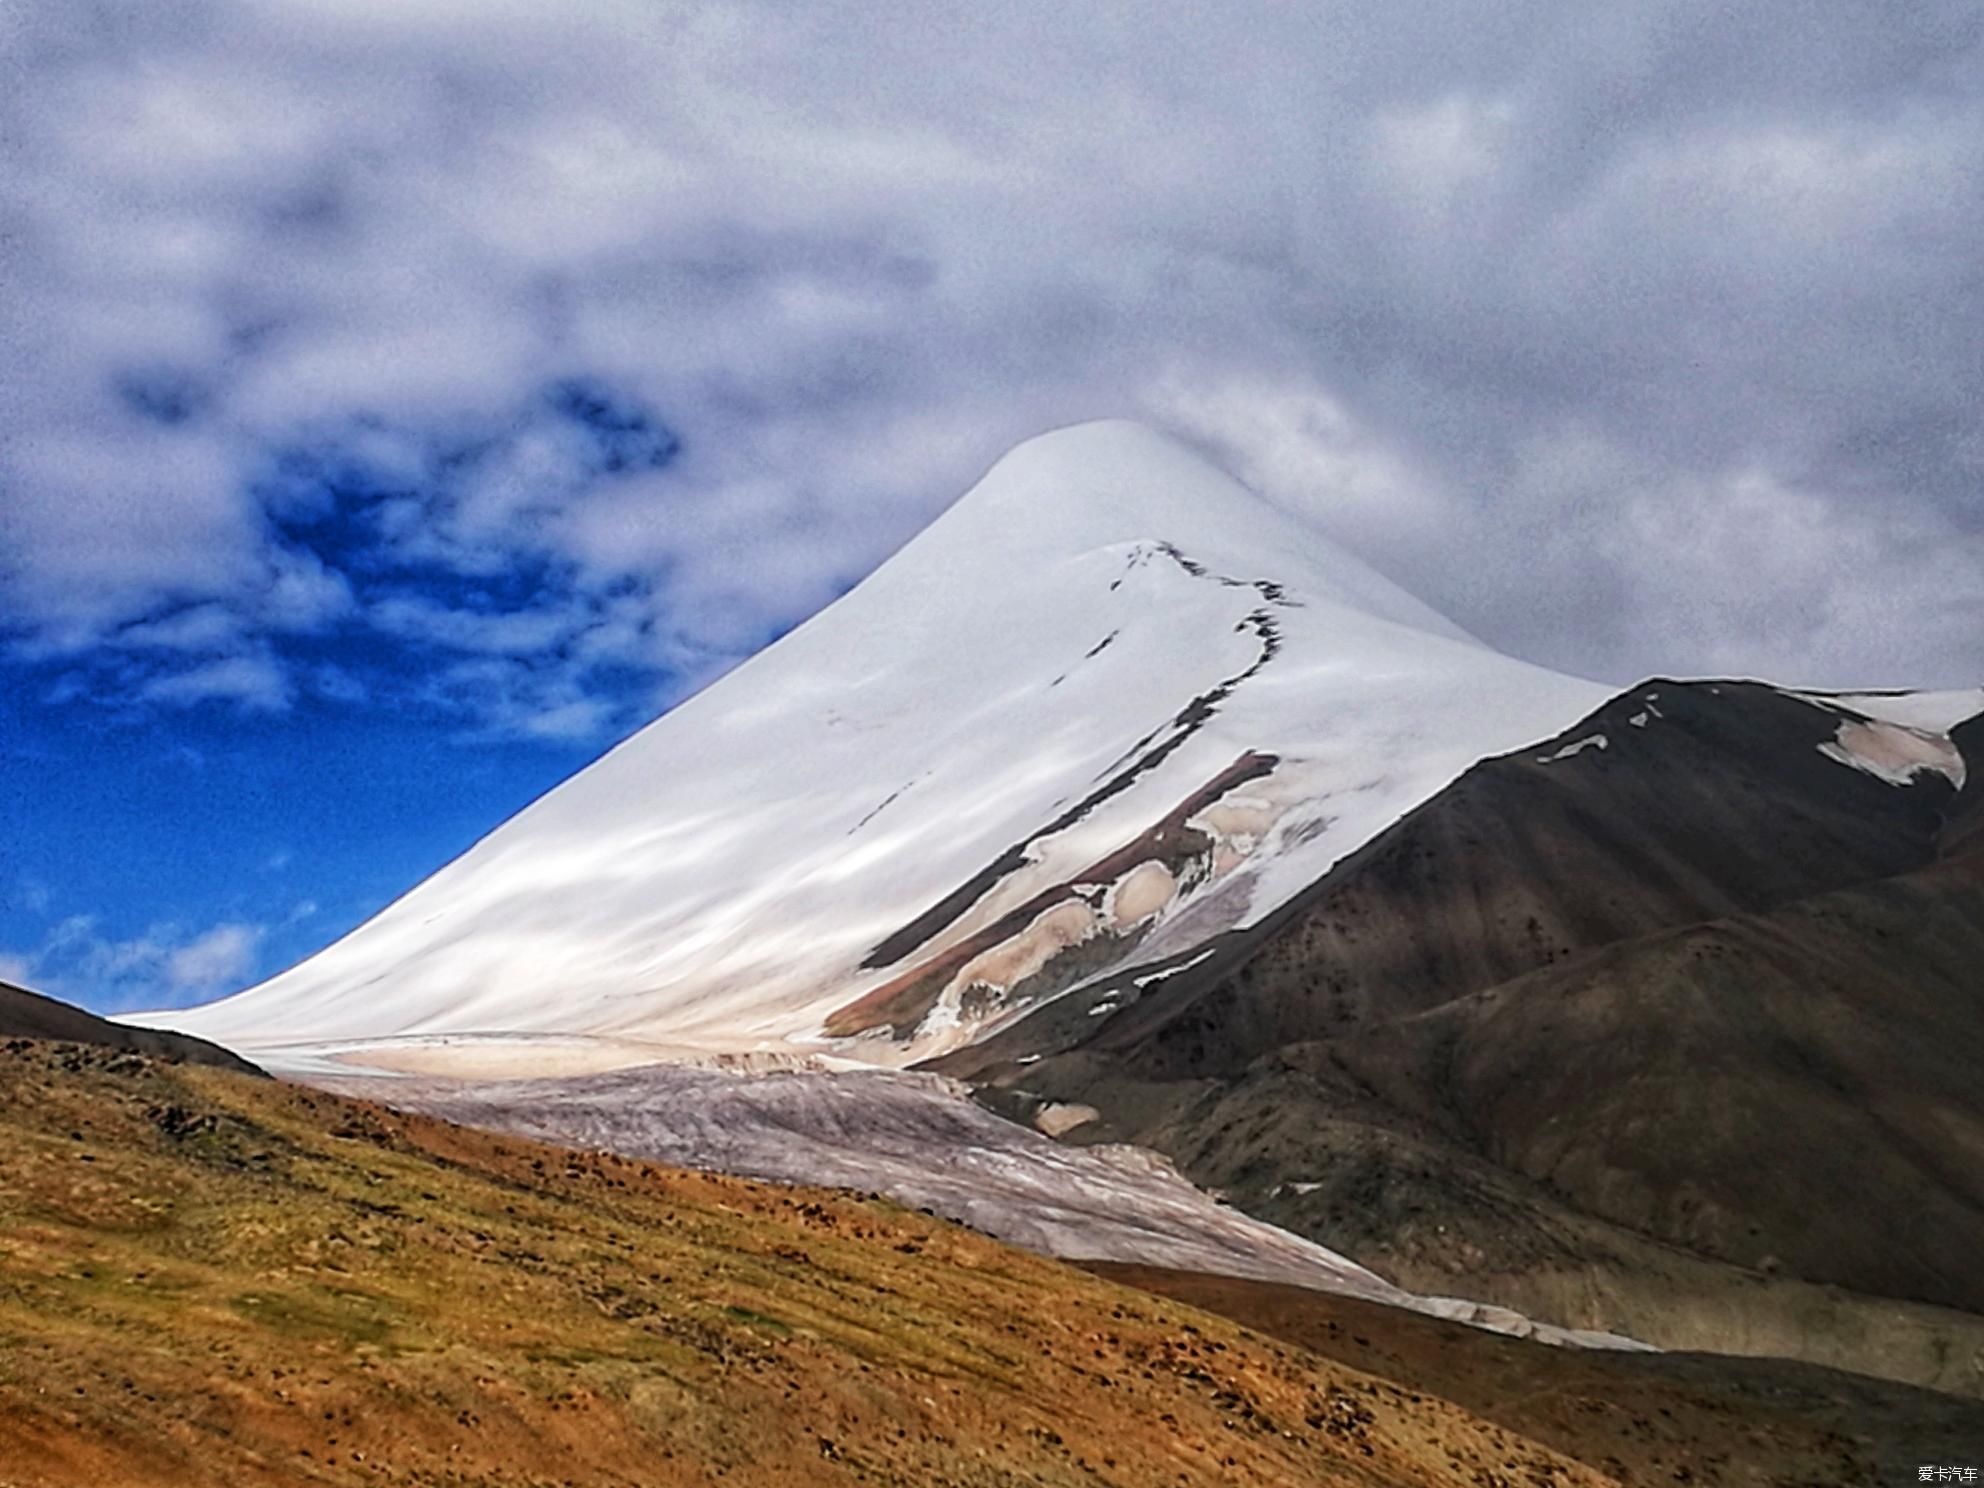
{"points": [[919, 1139], [1109, 704]]}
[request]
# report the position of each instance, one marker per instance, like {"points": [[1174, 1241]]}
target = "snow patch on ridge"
{"points": [[1898, 736], [1151, 979], [1576, 748], [1895, 754], [1931, 712]]}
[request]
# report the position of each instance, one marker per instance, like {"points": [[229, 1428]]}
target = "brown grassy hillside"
{"points": [[211, 1279]]}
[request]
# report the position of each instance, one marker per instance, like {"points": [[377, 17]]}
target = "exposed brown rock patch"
{"points": [[900, 1003]]}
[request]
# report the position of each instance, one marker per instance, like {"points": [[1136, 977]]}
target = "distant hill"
{"points": [[29, 1015]]}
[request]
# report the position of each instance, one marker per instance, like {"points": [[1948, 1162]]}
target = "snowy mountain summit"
{"points": [[1111, 704]]}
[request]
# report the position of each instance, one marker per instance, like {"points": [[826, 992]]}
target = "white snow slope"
{"points": [[1111, 703]]}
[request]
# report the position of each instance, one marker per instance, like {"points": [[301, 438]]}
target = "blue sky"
{"points": [[158, 860], [405, 400], [205, 795]]}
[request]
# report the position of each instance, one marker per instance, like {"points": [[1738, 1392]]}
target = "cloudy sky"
{"points": [[405, 398]]}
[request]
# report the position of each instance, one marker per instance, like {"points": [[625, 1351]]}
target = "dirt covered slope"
{"points": [[210, 1279]]}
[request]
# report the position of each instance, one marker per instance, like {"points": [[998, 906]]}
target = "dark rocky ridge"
{"points": [[1719, 804], [1963, 830]]}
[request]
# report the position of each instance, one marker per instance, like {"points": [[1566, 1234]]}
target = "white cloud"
{"points": [[16, 969], [101, 526], [219, 960], [583, 718], [165, 962], [1295, 443], [301, 594], [32, 895], [206, 627], [506, 698], [518, 632], [1379, 256], [251, 682]]}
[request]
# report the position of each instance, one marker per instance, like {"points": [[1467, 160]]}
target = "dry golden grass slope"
{"points": [[212, 1279]]}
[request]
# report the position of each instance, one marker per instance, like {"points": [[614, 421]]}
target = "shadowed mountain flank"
{"points": [[1794, 1093], [1671, 804], [1674, 1033]]}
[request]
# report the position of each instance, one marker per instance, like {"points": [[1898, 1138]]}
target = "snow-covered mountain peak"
{"points": [[1115, 483], [1109, 704]]}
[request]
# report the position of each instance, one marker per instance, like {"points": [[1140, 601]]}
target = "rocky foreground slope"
{"points": [[206, 1278], [211, 1279]]}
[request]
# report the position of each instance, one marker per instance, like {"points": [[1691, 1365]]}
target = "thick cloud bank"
{"points": [[532, 363]]}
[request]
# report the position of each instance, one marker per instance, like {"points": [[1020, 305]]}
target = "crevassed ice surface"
{"points": [[1103, 604]]}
